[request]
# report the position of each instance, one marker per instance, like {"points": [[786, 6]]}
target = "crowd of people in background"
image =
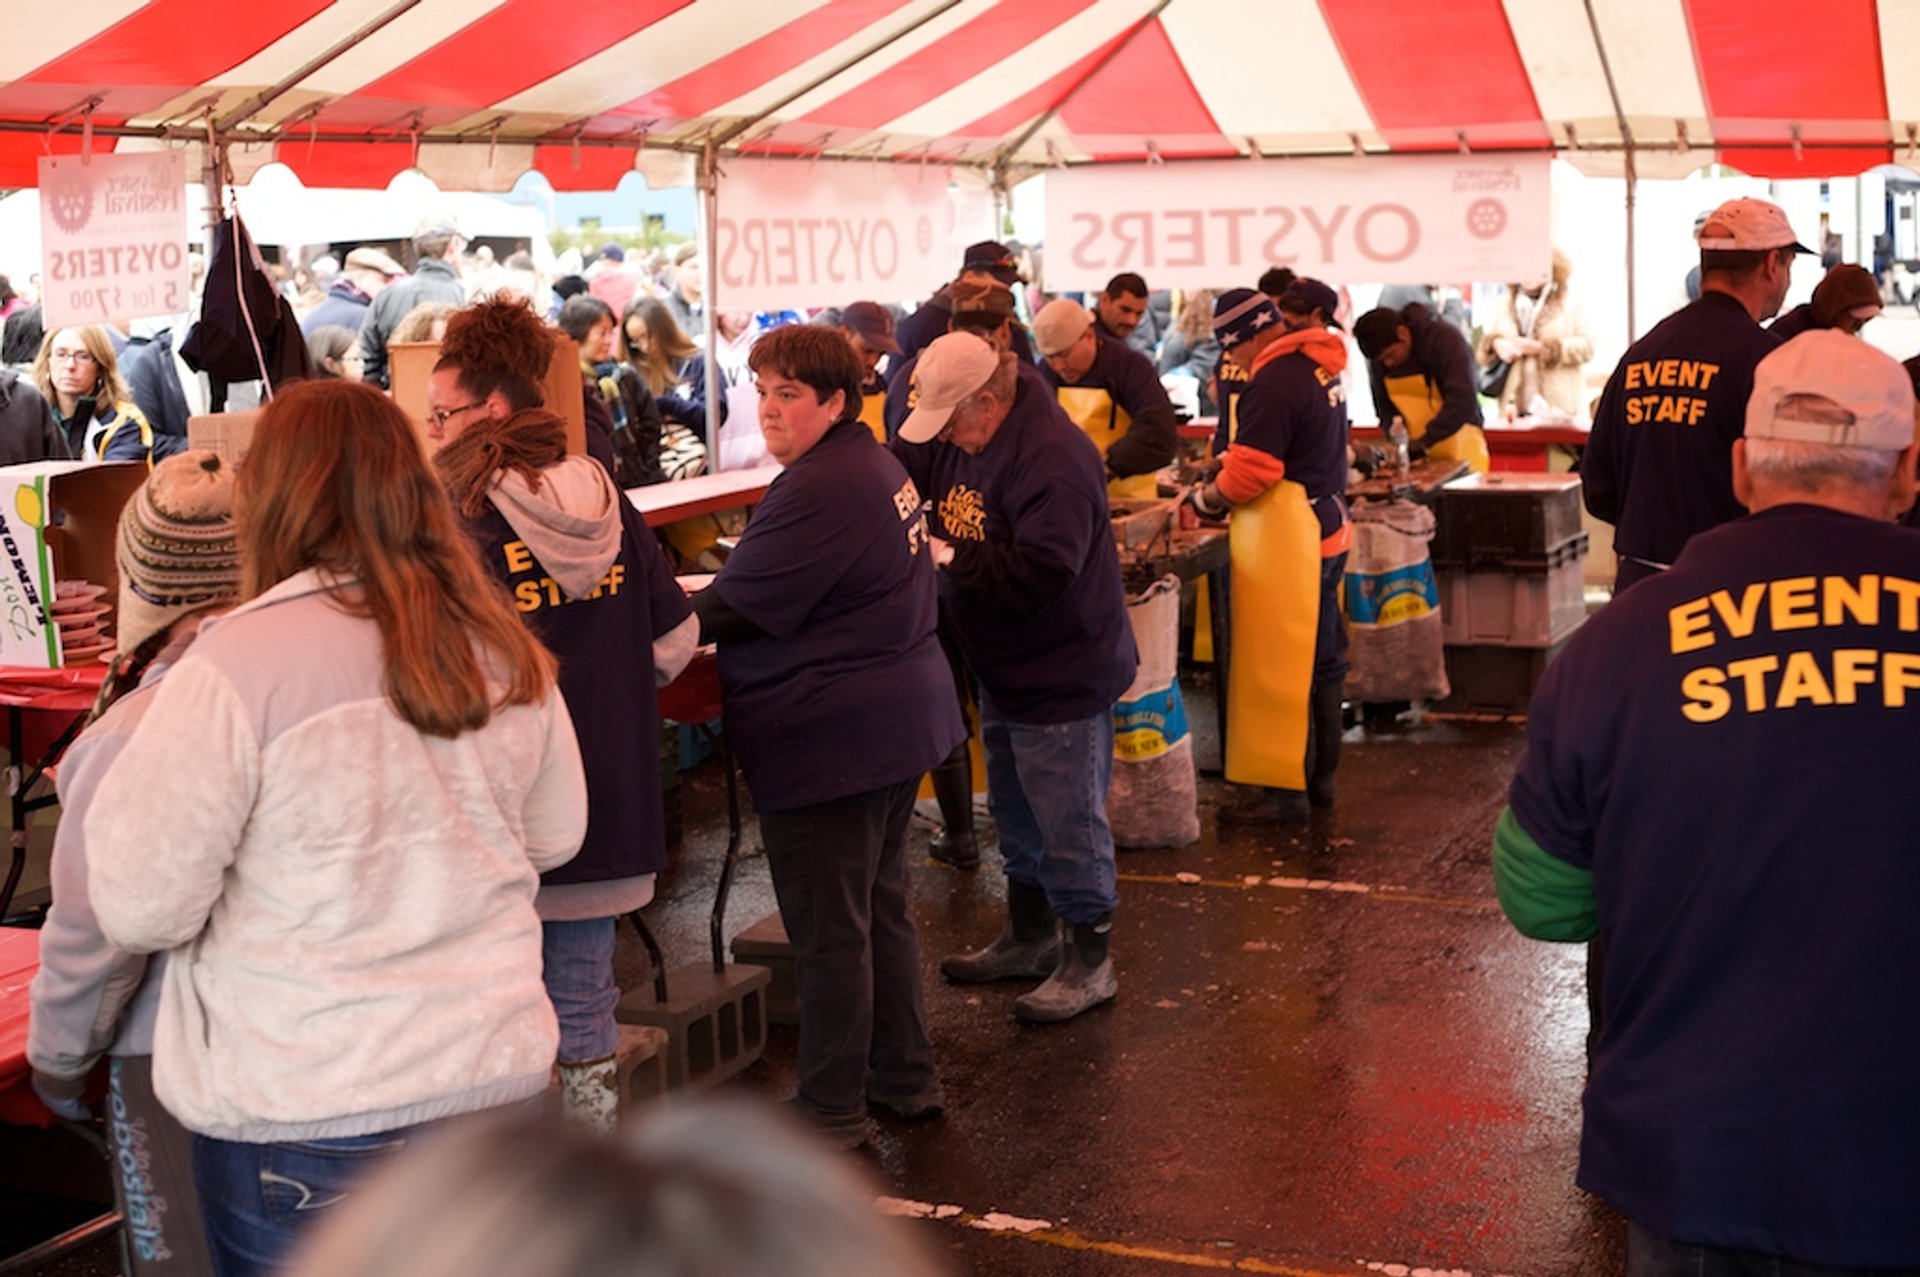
{"points": [[935, 552]]}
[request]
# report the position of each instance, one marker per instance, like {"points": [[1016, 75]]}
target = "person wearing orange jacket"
{"points": [[1283, 479]]}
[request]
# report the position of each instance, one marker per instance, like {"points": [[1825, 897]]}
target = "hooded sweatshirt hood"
{"points": [[569, 518], [1324, 346]]}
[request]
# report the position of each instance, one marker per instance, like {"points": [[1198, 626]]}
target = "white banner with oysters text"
{"points": [[1413, 219], [796, 234]]}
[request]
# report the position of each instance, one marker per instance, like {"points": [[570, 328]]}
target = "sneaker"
{"points": [[914, 1106], [842, 1130]]}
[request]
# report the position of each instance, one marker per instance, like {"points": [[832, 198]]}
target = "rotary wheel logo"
{"points": [[1486, 218], [923, 234], [71, 203]]}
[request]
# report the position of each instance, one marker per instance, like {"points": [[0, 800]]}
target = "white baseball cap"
{"points": [[948, 372], [1746, 225], [1824, 386]]}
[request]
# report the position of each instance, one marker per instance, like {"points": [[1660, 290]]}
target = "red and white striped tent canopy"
{"points": [[475, 92]]}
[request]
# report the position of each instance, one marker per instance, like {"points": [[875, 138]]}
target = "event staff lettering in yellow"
{"points": [[1657, 381], [530, 595], [1786, 679]]}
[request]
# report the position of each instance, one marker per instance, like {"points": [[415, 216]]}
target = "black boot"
{"points": [[1269, 807], [953, 790], [1323, 753], [1083, 980], [1027, 948]]}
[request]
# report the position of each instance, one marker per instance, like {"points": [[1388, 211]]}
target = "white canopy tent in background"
{"points": [[280, 211]]}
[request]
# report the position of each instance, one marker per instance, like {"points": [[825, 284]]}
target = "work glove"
{"points": [[1207, 502]]}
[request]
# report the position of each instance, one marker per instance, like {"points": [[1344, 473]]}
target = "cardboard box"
{"points": [[225, 433], [411, 363], [58, 522]]}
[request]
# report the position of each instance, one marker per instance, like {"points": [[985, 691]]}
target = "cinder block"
{"points": [[715, 1021], [765, 944], [642, 1064]]}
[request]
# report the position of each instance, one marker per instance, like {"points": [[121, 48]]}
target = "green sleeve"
{"points": [[1544, 896]]}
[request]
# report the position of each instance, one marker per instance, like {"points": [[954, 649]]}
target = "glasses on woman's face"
{"points": [[441, 416], [79, 357]]}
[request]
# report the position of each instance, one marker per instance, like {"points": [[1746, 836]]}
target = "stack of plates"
{"points": [[81, 611]]}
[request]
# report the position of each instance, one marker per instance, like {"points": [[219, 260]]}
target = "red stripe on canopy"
{"points": [[1426, 69], [1763, 60], [155, 52], [20, 154], [590, 168], [1117, 102], [510, 49], [945, 64], [1006, 119], [756, 63]]}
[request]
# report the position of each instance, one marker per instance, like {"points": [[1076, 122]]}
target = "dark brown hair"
{"points": [[818, 357], [1737, 263], [335, 480], [667, 344], [498, 344]]}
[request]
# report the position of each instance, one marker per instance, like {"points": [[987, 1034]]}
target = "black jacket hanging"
{"points": [[247, 331]]}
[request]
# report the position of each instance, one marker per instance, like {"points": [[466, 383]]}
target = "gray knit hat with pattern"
{"points": [[176, 552]]}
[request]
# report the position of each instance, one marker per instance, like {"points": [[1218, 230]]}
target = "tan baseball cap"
{"points": [[374, 259], [949, 371], [1059, 324]]}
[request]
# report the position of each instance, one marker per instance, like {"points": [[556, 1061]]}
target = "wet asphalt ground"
{"points": [[1330, 1054]]}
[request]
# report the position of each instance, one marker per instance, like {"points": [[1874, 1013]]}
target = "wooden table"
{"points": [[1421, 482], [664, 503]]}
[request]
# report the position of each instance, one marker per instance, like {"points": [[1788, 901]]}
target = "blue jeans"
{"points": [[258, 1200], [578, 971], [1047, 788], [1651, 1255]]}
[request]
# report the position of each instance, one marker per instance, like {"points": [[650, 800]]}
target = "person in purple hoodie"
{"points": [[592, 583]]}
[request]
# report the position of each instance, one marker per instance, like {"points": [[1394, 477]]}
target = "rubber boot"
{"points": [[1083, 980], [1269, 807], [1323, 755], [590, 1095], [1027, 948], [953, 790]]}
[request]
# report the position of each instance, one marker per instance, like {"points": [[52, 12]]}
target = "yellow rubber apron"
{"points": [[873, 415], [1094, 411], [1275, 545], [1418, 403]]}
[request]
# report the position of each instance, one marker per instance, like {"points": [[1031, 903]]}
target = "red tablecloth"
{"points": [[694, 697], [51, 699], [19, 959]]}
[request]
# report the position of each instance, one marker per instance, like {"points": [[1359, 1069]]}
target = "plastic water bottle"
{"points": [[1397, 436]]}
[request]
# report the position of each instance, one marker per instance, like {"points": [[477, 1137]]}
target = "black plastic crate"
{"points": [[1493, 518], [1495, 680]]}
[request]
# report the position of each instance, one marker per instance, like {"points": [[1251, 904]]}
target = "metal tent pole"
{"points": [[709, 185]]}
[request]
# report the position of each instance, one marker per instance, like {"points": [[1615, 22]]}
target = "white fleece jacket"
{"points": [[349, 902]]}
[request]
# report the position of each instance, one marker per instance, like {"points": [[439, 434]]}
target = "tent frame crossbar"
{"points": [[922, 153]]}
